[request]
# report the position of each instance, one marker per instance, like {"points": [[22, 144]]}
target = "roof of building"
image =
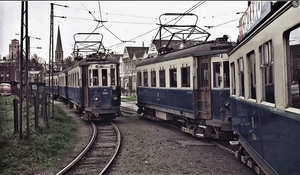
{"points": [[137, 51]]}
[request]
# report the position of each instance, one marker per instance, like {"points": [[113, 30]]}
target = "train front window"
{"points": [[185, 76], [95, 77], [266, 61], [139, 78], [294, 68], [112, 77], [216, 74], [104, 77], [145, 79]]}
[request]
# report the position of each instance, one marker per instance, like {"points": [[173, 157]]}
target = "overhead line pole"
{"points": [[24, 41]]}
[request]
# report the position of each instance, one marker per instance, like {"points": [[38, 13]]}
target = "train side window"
{"points": [[233, 87], [162, 78], [153, 78], [112, 77], [173, 77], [185, 77], [139, 78], [266, 61], [216, 75], [251, 74], [145, 78], [226, 74], [241, 77], [294, 68], [95, 77], [104, 77]]}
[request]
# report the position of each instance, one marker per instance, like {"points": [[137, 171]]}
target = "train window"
{"points": [[185, 76], [233, 87], [153, 78], [251, 74], [112, 77], [216, 75], [139, 78], [104, 77], [173, 77], [204, 74], [241, 76], [145, 78], [162, 78], [294, 68], [95, 77], [226, 74], [266, 60]]}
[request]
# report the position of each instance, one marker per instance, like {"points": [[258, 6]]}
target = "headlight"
{"points": [[96, 98], [115, 97]]}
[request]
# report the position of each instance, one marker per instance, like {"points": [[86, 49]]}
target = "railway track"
{"points": [[99, 153]]}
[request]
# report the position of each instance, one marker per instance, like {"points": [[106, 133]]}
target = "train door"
{"points": [[204, 91], [85, 85]]}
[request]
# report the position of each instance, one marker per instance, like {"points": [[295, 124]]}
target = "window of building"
{"points": [[251, 74], [153, 78], [162, 78], [139, 78], [7, 74], [241, 77], [293, 68], [145, 78], [233, 87], [173, 77], [185, 77], [95, 77], [112, 76], [217, 74], [266, 61], [104, 77], [226, 74]]}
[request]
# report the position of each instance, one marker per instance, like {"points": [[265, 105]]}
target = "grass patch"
{"points": [[129, 98], [46, 146]]}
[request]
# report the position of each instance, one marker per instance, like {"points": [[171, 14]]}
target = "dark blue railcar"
{"points": [[265, 98], [94, 87], [190, 85]]}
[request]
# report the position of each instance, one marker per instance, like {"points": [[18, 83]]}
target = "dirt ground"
{"points": [[150, 147]]}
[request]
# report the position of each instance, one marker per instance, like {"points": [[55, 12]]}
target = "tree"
{"points": [[68, 62], [35, 60]]}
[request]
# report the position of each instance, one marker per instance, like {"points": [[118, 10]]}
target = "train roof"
{"points": [[217, 46], [92, 59]]}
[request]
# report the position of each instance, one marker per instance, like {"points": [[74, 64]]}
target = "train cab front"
{"points": [[104, 104]]}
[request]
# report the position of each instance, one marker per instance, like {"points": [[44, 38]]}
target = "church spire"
{"points": [[59, 51]]}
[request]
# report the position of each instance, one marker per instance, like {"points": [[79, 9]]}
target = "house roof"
{"points": [[137, 51]]}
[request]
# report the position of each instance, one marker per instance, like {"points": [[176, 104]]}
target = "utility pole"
{"points": [[51, 58], [22, 67]]}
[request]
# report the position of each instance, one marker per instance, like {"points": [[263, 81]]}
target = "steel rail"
{"points": [[70, 165], [117, 148]]}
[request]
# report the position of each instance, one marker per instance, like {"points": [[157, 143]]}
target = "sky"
{"points": [[135, 22]]}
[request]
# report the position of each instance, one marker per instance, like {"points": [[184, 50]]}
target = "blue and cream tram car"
{"points": [[191, 86], [54, 92], [63, 85], [94, 87], [264, 90]]}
